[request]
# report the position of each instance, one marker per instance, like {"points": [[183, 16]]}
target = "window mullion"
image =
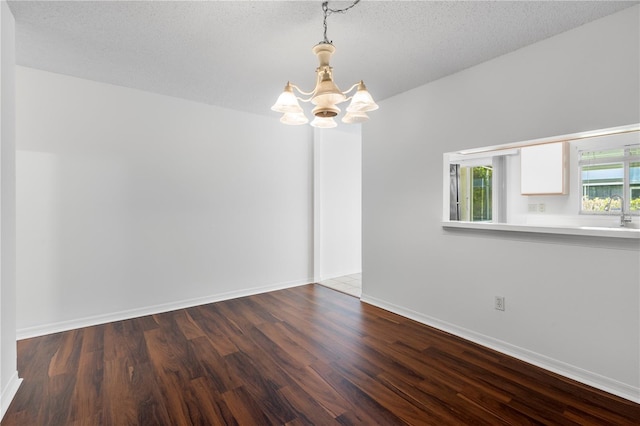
{"points": [[626, 182]]}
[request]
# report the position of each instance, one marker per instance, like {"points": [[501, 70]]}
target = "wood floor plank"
{"points": [[298, 356], [188, 327], [363, 408], [216, 370], [86, 400], [210, 403], [308, 410], [118, 401], [216, 327], [261, 387], [531, 406], [245, 409], [172, 373], [65, 358]]}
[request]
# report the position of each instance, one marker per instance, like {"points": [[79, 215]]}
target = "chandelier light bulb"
{"points": [[324, 123]]}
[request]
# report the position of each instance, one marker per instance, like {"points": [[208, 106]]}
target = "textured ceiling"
{"points": [[239, 54]]}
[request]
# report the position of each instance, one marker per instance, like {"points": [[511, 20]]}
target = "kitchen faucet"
{"points": [[623, 218]]}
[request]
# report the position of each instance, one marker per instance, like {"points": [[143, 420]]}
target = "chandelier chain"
{"points": [[327, 11]]}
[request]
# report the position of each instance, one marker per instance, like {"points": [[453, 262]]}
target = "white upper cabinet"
{"points": [[544, 169]]}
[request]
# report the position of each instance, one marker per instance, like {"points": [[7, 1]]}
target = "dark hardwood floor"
{"points": [[306, 355]]}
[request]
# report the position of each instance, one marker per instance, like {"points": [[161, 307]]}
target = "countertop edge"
{"points": [[587, 231]]}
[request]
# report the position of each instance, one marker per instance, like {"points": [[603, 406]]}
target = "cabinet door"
{"points": [[544, 169]]}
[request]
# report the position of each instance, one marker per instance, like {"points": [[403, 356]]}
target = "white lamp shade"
{"points": [[324, 122], [362, 101], [355, 117], [294, 118], [287, 102]]}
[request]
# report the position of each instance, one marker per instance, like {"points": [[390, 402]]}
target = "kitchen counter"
{"points": [[589, 231]]}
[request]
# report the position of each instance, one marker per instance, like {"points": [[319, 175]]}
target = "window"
{"points": [[596, 175], [610, 180], [479, 191], [471, 193]]}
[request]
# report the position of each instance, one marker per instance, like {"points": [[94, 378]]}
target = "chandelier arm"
{"points": [[302, 92], [306, 100], [350, 89]]}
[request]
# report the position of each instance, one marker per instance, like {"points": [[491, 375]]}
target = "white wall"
{"points": [[337, 201], [9, 381], [572, 303], [130, 202]]}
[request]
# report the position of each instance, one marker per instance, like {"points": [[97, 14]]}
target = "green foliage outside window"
{"points": [[481, 207], [608, 173], [600, 204]]}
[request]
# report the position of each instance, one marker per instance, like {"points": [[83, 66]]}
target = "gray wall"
{"points": [[572, 303], [131, 202]]}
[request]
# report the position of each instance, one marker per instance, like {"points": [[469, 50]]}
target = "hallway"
{"points": [[349, 284]]}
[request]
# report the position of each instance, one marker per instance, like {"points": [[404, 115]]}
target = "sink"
{"points": [[611, 223], [627, 227]]}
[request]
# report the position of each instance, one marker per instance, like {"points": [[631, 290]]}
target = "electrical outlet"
{"points": [[499, 303], [541, 208]]}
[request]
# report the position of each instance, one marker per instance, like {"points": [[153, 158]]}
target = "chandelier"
{"points": [[326, 95]]}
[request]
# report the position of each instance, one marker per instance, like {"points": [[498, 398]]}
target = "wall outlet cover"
{"points": [[499, 303]]}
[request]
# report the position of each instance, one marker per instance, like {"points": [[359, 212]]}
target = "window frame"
{"points": [[495, 160], [626, 159]]}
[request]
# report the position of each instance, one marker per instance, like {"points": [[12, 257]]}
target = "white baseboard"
{"points": [[576, 373], [8, 393], [41, 330]]}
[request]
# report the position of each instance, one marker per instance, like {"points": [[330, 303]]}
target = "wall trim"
{"points": [[41, 330], [9, 392], [317, 204], [567, 370]]}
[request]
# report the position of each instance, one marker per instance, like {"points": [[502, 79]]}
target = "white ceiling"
{"points": [[239, 54]]}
